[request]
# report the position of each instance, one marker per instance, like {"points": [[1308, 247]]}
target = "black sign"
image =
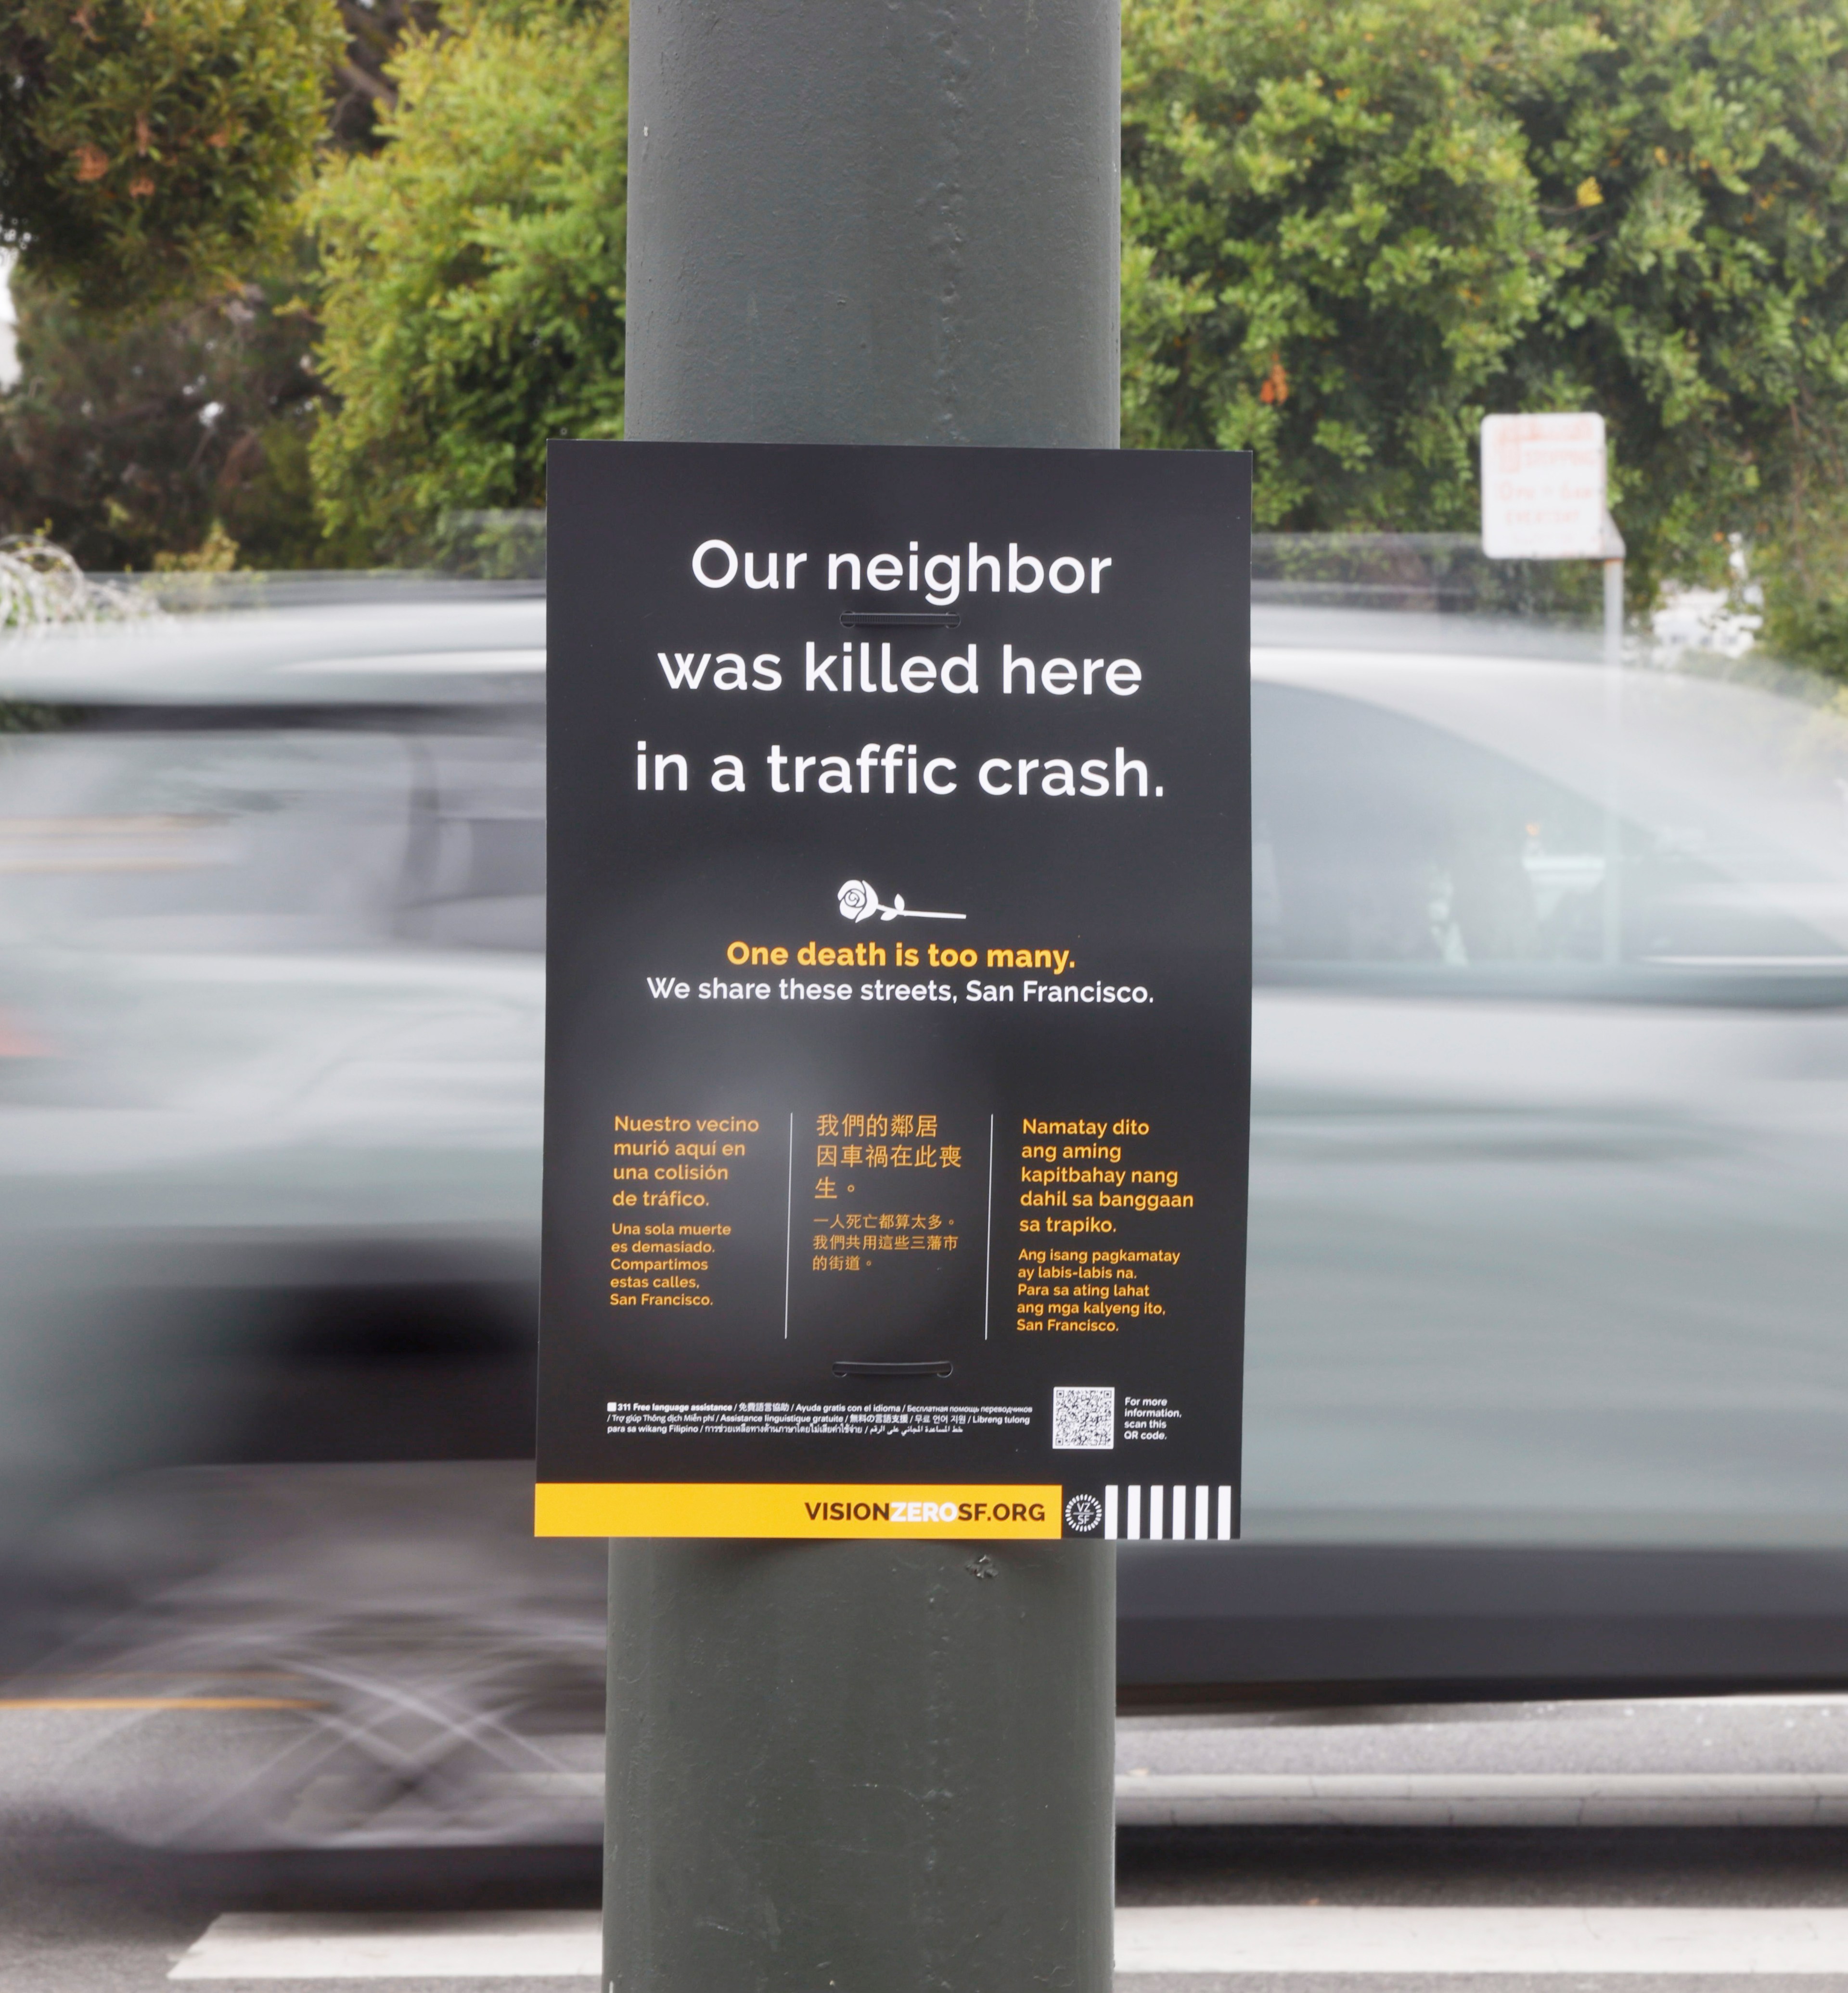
{"points": [[900, 971]]}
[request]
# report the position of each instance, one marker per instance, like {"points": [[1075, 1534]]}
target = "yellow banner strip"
{"points": [[792, 1508]]}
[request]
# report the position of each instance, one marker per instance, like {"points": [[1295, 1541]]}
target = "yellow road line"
{"points": [[153, 1702]]}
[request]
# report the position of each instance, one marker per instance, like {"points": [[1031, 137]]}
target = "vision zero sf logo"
{"points": [[889, 1511], [1082, 1513]]}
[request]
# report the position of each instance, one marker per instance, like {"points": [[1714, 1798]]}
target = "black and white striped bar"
{"points": [[1174, 1513]]}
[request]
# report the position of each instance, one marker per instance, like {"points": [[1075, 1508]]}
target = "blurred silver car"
{"points": [[1550, 1212], [272, 903], [1548, 1365], [1547, 1351]]}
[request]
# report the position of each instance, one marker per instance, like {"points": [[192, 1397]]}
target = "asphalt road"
{"points": [[1273, 1908]]}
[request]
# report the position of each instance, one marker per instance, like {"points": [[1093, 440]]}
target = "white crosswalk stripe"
{"points": [[1219, 1939], [478, 1944], [1333, 1938]]}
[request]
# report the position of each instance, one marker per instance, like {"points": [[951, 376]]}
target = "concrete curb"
{"points": [[1448, 1799]]}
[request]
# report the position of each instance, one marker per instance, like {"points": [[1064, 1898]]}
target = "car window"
{"points": [[477, 877], [1382, 841]]}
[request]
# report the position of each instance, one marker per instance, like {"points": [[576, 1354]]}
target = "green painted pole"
{"points": [[884, 1768]]}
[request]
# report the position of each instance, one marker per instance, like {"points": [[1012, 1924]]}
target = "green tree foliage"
{"points": [[1352, 229], [149, 149], [1333, 240], [472, 294], [361, 88], [1699, 157], [143, 439], [147, 436]]}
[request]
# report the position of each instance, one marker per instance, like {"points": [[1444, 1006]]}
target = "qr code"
{"points": [[1084, 1416]]}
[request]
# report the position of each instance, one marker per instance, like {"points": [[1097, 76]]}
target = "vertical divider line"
{"points": [[788, 1225], [988, 1249]]}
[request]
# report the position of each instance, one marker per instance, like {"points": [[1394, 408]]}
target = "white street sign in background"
{"points": [[1543, 487]]}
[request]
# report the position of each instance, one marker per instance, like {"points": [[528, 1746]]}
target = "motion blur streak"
{"points": [[1547, 1365]]}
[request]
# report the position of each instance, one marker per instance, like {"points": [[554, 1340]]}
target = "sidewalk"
{"points": [[1734, 1761]]}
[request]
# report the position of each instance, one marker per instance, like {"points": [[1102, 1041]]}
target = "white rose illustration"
{"points": [[858, 900]]}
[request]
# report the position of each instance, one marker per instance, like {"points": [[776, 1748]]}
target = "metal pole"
{"points": [[1614, 737], [864, 1765], [895, 221]]}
